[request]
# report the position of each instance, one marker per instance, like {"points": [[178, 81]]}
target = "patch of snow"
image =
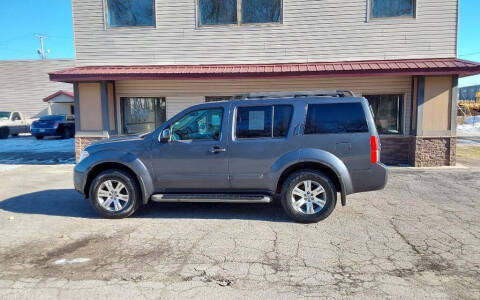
{"points": [[31, 144], [472, 120], [7, 167], [65, 261], [471, 126], [469, 142]]}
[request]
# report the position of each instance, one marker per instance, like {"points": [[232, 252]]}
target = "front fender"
{"points": [[126, 159]]}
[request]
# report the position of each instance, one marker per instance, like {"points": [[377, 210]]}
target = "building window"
{"points": [[141, 115], [261, 11], [263, 121], [127, 13], [225, 12], [335, 118], [217, 98], [387, 112], [392, 8]]}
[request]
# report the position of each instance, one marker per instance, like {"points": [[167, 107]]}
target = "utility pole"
{"points": [[41, 51]]}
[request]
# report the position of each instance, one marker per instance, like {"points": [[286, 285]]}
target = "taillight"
{"points": [[374, 150]]}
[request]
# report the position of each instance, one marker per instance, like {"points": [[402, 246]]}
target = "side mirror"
{"points": [[165, 136]]}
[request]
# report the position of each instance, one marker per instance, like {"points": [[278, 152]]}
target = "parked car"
{"points": [[13, 123], [303, 147], [54, 125]]}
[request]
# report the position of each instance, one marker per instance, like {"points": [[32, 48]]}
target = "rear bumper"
{"points": [[44, 131], [372, 179]]}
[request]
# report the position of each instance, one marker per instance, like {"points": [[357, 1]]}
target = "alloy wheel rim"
{"points": [[112, 195], [308, 197]]}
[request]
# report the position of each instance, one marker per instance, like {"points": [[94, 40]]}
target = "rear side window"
{"points": [[254, 122], [282, 115], [263, 121], [335, 118]]}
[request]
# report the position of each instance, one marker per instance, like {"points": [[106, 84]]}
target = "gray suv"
{"points": [[302, 148]]}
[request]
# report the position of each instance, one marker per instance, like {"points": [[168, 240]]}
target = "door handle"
{"points": [[217, 149]]}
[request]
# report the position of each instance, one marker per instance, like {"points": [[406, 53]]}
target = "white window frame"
{"points": [[239, 18], [107, 26], [370, 18]]}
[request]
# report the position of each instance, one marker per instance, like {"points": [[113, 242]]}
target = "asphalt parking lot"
{"points": [[418, 238]]}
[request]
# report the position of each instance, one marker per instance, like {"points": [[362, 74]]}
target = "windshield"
{"points": [[4, 115], [52, 118]]}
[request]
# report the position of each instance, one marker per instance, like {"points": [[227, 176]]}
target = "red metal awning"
{"points": [[436, 66]]}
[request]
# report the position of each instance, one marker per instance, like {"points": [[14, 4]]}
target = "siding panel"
{"points": [[327, 30], [24, 83]]}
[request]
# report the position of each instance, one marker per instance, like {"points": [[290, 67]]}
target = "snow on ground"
{"points": [[471, 126], [31, 144], [8, 167], [468, 142]]}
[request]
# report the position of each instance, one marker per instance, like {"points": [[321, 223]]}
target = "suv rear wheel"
{"points": [[115, 194], [308, 196]]}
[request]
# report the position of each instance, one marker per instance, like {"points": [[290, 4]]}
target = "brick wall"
{"points": [[82, 142], [395, 150]]}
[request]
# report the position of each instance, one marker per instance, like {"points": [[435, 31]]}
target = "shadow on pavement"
{"points": [[69, 203], [37, 158]]}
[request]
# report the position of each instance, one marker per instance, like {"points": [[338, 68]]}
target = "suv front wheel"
{"points": [[115, 194], [308, 196]]}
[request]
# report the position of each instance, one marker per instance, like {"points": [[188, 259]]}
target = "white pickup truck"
{"points": [[13, 123]]}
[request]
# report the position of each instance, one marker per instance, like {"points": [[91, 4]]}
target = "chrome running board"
{"points": [[225, 198]]}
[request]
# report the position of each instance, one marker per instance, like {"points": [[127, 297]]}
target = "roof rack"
{"points": [[304, 94]]}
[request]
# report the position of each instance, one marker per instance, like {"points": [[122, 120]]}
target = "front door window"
{"points": [[140, 115], [204, 124]]}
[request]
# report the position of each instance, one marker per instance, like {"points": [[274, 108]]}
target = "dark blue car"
{"points": [[54, 125]]}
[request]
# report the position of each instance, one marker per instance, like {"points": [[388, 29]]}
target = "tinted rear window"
{"points": [[281, 120], [254, 122], [335, 118], [52, 118]]}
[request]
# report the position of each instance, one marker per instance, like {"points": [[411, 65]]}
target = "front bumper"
{"points": [[79, 179]]}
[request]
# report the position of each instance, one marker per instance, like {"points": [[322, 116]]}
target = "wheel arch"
{"points": [[135, 168], [324, 162]]}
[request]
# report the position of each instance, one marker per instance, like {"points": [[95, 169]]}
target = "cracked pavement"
{"points": [[418, 238]]}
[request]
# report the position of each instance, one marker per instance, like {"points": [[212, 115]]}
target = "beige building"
{"points": [[141, 62], [24, 83]]}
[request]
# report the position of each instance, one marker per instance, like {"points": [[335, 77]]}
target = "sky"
{"points": [[20, 21]]}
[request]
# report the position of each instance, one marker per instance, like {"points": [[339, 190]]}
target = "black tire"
{"points": [[4, 132], [15, 134], [131, 185], [318, 177], [66, 134], [39, 137]]}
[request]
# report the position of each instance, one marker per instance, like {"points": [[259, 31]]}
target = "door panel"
{"points": [[196, 156], [252, 157]]}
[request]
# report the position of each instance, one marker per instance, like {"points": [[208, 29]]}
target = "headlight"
{"points": [[83, 155]]}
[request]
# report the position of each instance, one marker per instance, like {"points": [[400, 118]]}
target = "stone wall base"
{"points": [[81, 142], [433, 151], [419, 151]]}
